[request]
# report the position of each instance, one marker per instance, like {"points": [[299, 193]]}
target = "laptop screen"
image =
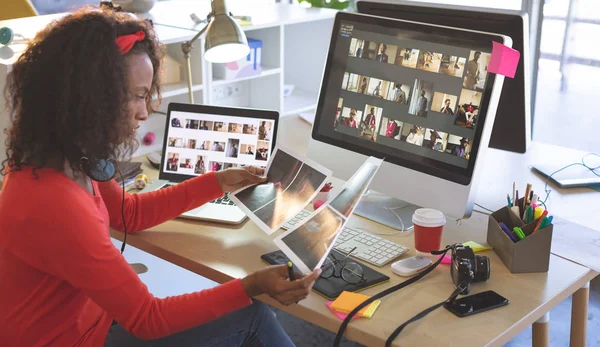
{"points": [[198, 143]]}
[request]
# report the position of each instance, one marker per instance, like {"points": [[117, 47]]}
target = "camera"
{"points": [[468, 267]]}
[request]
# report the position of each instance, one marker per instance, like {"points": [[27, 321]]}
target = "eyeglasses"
{"points": [[349, 271]]}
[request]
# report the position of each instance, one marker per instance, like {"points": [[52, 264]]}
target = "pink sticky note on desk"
{"points": [[447, 259], [340, 315], [504, 60]]}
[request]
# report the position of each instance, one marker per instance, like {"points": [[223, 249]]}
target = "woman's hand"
{"points": [[273, 281], [231, 180]]}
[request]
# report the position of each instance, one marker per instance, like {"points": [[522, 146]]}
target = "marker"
{"points": [[519, 233], [291, 271], [539, 222], [508, 232], [508, 200]]}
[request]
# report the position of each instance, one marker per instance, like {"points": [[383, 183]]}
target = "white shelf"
{"points": [[178, 89], [266, 71], [299, 101]]}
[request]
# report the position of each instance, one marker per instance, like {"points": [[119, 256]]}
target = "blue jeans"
{"points": [[254, 325]]}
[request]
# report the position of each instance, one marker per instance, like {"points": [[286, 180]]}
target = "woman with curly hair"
{"points": [[76, 96]]}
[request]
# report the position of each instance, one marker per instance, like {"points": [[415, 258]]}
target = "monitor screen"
{"points": [[511, 125], [414, 94], [197, 143]]}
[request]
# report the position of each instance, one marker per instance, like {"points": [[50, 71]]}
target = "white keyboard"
{"points": [[369, 247]]}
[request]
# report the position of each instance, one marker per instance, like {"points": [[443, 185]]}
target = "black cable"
{"points": [[340, 333], [123, 213], [424, 313]]}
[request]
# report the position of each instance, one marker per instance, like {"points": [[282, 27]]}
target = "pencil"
{"points": [[291, 274]]}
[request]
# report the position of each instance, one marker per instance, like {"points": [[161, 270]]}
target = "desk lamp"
{"points": [[225, 41]]}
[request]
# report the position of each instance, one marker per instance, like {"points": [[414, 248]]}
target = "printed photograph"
{"points": [[407, 57], [172, 161], [414, 134], [206, 125], [290, 185], [351, 117], [215, 166], [390, 128], [370, 50], [476, 70], [354, 189], [370, 123], [429, 61], [356, 48], [229, 166], [468, 109], [399, 93], [311, 241], [452, 65], [459, 146], [200, 167], [248, 150], [233, 148], [435, 140], [265, 131], [378, 88], [176, 123], [204, 146], [262, 150], [218, 146], [220, 126], [235, 128], [175, 142], [445, 103], [420, 98], [250, 129], [191, 123], [186, 163], [386, 53], [191, 144]]}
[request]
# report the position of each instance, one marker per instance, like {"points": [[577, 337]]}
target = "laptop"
{"points": [[200, 139]]}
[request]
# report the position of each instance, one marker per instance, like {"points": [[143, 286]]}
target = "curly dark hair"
{"points": [[68, 93]]}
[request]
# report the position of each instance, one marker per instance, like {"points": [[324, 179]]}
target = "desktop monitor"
{"points": [[417, 95], [512, 127]]}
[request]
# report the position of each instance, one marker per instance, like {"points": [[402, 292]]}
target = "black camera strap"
{"points": [[340, 333], [425, 312]]}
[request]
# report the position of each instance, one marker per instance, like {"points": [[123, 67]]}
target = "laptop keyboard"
{"points": [[220, 201]]}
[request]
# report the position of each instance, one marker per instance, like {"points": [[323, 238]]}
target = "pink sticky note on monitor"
{"points": [[340, 315], [504, 60]]}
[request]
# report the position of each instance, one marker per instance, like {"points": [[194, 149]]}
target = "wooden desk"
{"points": [[221, 253]]}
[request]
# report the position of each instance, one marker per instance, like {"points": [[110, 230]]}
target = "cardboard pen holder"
{"points": [[532, 254]]}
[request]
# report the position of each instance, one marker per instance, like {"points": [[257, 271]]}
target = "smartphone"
{"points": [[472, 304]]}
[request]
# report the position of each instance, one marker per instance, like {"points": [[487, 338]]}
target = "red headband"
{"points": [[126, 42]]}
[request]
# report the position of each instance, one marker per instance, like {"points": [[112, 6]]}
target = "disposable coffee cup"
{"points": [[428, 226]]}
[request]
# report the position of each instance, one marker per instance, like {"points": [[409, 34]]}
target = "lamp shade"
{"points": [[225, 41]]}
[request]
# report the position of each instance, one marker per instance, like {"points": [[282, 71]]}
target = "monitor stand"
{"points": [[385, 210]]}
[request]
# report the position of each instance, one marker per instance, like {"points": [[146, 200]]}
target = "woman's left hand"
{"points": [[231, 180]]}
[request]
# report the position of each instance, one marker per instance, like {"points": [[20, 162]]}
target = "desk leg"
{"points": [[579, 316], [541, 332]]}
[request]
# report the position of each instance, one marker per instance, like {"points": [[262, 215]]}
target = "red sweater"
{"points": [[62, 281]]}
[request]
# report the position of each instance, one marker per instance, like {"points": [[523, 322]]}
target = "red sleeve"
{"points": [[143, 211], [78, 250]]}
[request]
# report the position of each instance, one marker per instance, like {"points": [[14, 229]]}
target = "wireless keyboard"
{"points": [[369, 247]]}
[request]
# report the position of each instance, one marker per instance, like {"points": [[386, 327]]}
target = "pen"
{"points": [[517, 202], [508, 200], [519, 233], [514, 198], [508, 232], [539, 222], [291, 271]]}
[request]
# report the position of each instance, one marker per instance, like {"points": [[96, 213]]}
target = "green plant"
{"points": [[334, 4]]}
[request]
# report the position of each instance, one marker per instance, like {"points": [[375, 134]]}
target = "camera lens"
{"points": [[482, 268]]}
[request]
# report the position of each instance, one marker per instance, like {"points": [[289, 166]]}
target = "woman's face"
{"points": [[139, 79]]}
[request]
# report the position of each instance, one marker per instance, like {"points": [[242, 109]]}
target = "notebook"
{"points": [[332, 287]]}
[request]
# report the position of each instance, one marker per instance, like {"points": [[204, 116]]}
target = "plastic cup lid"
{"points": [[428, 217]]}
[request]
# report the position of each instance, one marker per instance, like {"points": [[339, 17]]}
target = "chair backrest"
{"points": [[17, 9]]}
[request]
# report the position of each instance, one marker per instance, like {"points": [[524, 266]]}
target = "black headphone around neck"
{"points": [[104, 170]]}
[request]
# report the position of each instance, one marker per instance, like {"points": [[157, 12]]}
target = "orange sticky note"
{"points": [[347, 301]]}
